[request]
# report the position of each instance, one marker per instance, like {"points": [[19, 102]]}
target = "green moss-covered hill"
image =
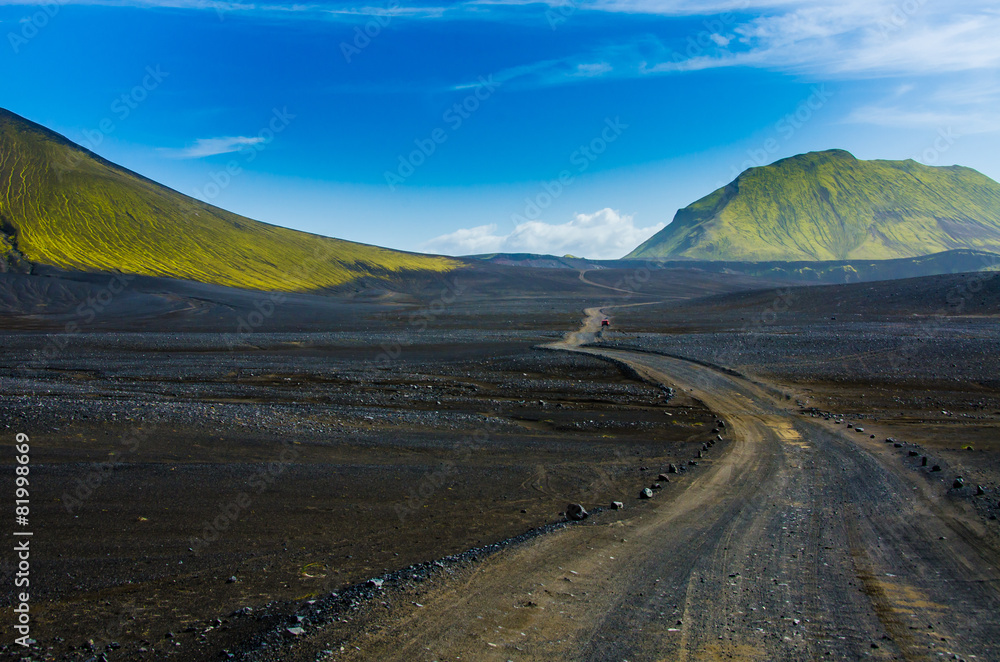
{"points": [[64, 206], [831, 206]]}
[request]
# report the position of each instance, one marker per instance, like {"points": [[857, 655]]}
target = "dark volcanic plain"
{"points": [[197, 451], [208, 464]]}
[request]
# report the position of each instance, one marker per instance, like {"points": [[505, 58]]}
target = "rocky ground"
{"points": [[180, 481], [205, 491]]}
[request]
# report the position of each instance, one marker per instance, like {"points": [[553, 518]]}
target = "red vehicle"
{"points": [[605, 322]]}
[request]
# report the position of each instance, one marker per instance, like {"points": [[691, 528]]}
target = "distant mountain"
{"points": [[958, 261], [832, 206], [64, 206]]}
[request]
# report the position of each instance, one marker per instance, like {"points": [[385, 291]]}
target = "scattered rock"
{"points": [[859, 429], [576, 512], [936, 467], [295, 631], [923, 461], [655, 486], [232, 580], [980, 490], [959, 483], [914, 453], [375, 583]]}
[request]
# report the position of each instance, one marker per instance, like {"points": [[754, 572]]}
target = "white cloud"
{"points": [[604, 235], [211, 146]]}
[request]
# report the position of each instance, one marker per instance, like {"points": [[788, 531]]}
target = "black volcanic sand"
{"points": [[179, 477], [913, 360], [343, 438]]}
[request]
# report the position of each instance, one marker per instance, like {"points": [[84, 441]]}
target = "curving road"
{"points": [[799, 542]]}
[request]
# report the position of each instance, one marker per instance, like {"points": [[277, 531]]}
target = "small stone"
{"points": [[232, 580], [959, 483], [295, 631], [980, 490], [936, 467]]}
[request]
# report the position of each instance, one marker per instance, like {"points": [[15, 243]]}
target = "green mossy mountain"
{"points": [[64, 206], [831, 206]]}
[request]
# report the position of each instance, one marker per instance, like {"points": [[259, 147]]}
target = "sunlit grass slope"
{"points": [[68, 208], [831, 206]]}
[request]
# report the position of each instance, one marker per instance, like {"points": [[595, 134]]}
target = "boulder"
{"points": [[576, 512], [617, 505], [959, 483], [646, 493]]}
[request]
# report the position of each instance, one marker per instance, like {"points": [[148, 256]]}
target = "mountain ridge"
{"points": [[831, 206], [64, 206]]}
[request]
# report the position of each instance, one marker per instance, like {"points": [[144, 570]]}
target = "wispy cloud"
{"points": [[605, 234], [968, 108], [851, 39], [212, 146]]}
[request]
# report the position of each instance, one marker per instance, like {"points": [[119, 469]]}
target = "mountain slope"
{"points": [[64, 206], [831, 206]]}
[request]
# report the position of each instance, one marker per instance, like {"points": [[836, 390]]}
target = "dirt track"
{"points": [[802, 541]]}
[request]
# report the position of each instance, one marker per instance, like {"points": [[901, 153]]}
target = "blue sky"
{"points": [[575, 126]]}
